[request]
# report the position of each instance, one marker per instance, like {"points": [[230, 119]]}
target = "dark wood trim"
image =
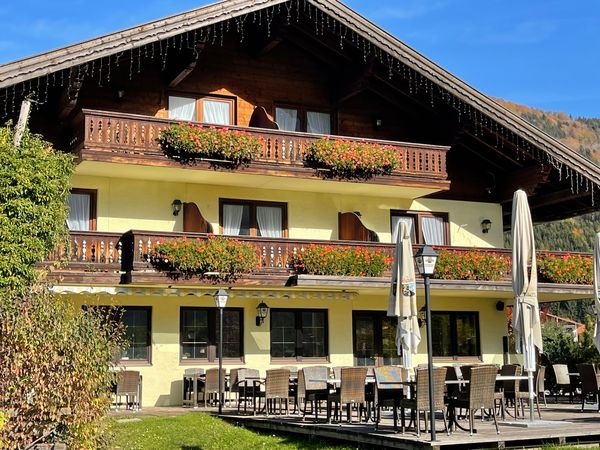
{"points": [[453, 332], [418, 216], [93, 193], [298, 324], [140, 362], [213, 324], [253, 222]]}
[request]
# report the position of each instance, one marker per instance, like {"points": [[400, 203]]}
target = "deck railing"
{"points": [[122, 133], [90, 247]]}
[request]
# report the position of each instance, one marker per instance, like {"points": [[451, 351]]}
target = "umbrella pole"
{"points": [[429, 357], [531, 364]]}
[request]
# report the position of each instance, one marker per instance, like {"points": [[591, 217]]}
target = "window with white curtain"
{"points": [[318, 122], [182, 108], [298, 119], [288, 119], [82, 206], [216, 111], [251, 218], [425, 227], [213, 110]]}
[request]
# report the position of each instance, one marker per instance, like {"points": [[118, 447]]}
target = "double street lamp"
{"points": [[221, 297], [426, 258]]}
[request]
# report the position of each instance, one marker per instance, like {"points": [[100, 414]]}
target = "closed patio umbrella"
{"points": [[597, 289], [526, 315], [402, 301]]}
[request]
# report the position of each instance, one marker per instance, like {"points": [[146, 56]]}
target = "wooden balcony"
{"points": [[98, 257], [128, 138]]}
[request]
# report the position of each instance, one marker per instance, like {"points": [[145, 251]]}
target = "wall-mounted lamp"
{"points": [[261, 313], [378, 123], [119, 94], [500, 305], [486, 224], [421, 317], [176, 205]]}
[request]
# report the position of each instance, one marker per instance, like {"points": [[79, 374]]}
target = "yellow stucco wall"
{"points": [[162, 379], [146, 205]]}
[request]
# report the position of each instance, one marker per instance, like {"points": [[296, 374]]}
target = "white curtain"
{"points": [[232, 219], [79, 212], [217, 112], [318, 122], [287, 119], [410, 223], [182, 108], [269, 221], [433, 230]]}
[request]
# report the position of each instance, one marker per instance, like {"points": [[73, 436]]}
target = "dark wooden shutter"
{"points": [[351, 228], [193, 222]]}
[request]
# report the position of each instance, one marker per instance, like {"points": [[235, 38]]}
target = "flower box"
{"points": [[471, 265], [341, 261]]}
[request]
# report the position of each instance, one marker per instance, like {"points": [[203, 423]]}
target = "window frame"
{"points": [[93, 194], [139, 362], [453, 337], [298, 328], [303, 111], [418, 217], [253, 222], [213, 324], [377, 317], [199, 99]]}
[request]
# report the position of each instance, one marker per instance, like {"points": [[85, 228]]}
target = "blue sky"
{"points": [[542, 53]]}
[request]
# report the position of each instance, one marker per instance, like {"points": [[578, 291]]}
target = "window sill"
{"points": [[206, 362], [458, 359], [134, 363], [324, 360]]}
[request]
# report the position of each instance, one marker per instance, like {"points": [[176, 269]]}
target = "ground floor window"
{"points": [[455, 333], [137, 322], [374, 339], [199, 334], [299, 334]]}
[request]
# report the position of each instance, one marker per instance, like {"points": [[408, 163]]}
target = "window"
{"points": [[82, 210], [199, 334], [137, 322], [296, 119], [425, 227], [298, 333], [374, 339], [215, 110], [455, 334], [250, 218]]}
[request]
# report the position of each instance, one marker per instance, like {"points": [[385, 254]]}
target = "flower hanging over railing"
{"points": [[471, 265], [188, 142], [352, 159], [216, 258], [341, 261], [566, 269]]}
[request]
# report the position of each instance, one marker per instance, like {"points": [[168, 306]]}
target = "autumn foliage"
{"points": [[341, 261]]}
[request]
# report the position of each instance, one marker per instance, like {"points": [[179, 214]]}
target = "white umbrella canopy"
{"points": [[597, 289], [526, 315], [402, 302]]}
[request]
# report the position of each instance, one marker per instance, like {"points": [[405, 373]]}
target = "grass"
{"points": [[199, 431]]}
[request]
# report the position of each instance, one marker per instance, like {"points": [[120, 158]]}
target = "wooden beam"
{"points": [[528, 178], [189, 67], [70, 94], [351, 82]]}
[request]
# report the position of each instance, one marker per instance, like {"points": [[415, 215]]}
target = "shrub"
{"points": [[471, 265], [54, 370], [566, 269], [187, 142], [352, 159], [341, 261], [226, 258]]}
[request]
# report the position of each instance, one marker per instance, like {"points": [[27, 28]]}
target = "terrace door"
{"points": [[374, 339]]}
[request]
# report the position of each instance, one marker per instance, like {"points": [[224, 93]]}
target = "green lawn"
{"points": [[199, 431]]}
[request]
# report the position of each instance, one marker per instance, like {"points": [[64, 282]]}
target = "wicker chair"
{"points": [[480, 393], [277, 389], [511, 388], [523, 393], [563, 381], [352, 392], [421, 401], [312, 391], [293, 385], [193, 386], [389, 390], [337, 371], [129, 386], [211, 387], [590, 384], [248, 388]]}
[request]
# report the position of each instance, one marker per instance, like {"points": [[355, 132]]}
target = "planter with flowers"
{"points": [[341, 261], [566, 269], [217, 258], [471, 265], [188, 143], [352, 159]]}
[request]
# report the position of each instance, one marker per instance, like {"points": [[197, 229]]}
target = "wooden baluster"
{"points": [[140, 255], [100, 131], [279, 257], [134, 134], [83, 250], [272, 257], [74, 250], [126, 133], [102, 253], [111, 252], [263, 257], [119, 252], [148, 248], [282, 155], [90, 128]]}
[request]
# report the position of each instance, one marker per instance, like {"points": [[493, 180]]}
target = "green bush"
{"points": [[187, 142], [225, 258], [341, 261], [560, 348], [566, 269], [353, 159], [471, 265]]}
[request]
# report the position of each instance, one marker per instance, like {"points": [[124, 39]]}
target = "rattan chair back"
{"points": [[193, 372], [481, 387], [540, 380], [511, 387], [307, 374], [337, 372], [561, 374], [589, 380], [439, 386], [293, 370], [128, 383], [212, 380], [277, 383], [352, 388]]}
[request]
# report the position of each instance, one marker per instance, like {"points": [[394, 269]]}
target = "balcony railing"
{"points": [[120, 134], [90, 248]]}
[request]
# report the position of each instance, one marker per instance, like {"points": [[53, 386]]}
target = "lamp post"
{"points": [[426, 258], [221, 297]]}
